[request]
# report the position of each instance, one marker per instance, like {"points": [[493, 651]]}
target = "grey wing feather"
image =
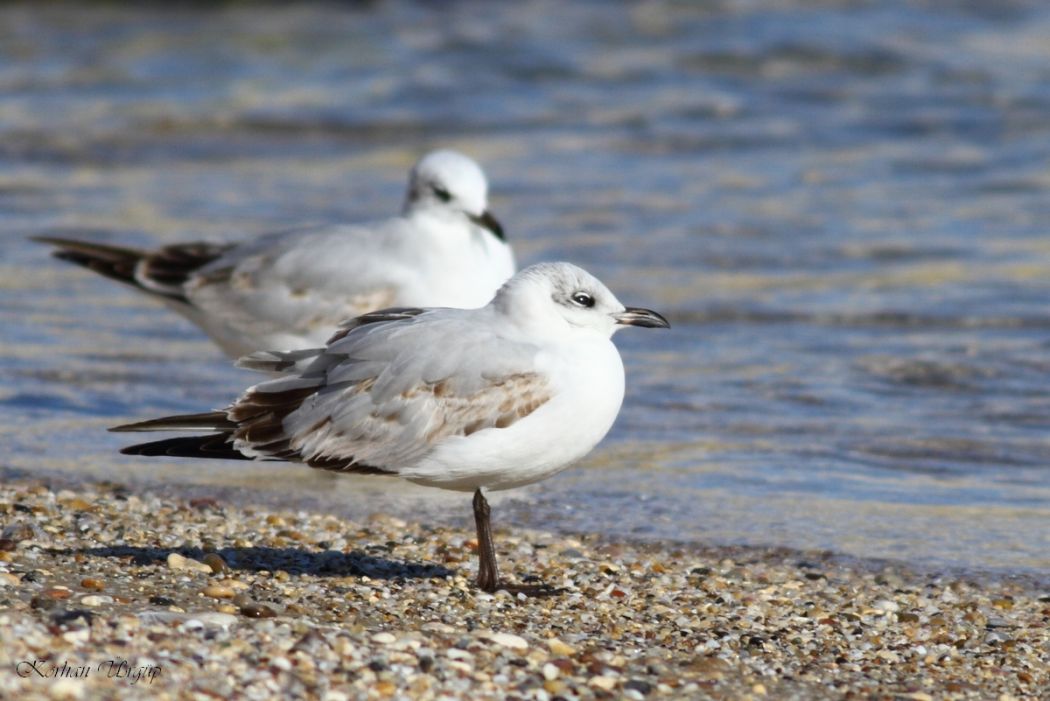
{"points": [[377, 401]]}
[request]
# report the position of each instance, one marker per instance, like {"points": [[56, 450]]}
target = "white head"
{"points": [[556, 298], [449, 181]]}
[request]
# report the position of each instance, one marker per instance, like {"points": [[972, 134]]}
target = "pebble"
{"points": [[559, 648], [257, 611], [515, 642], [96, 600], [215, 562], [67, 688], [218, 591], [179, 563], [57, 593], [92, 583], [602, 682]]}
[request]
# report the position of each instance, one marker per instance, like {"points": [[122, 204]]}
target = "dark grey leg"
{"points": [[488, 574]]}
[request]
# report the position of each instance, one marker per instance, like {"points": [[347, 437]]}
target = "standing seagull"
{"points": [[465, 399], [291, 289]]}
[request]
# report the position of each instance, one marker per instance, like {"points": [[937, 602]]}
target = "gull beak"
{"points": [[636, 316], [487, 221]]}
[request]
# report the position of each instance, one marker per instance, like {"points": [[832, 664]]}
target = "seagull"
{"points": [[290, 290], [464, 399]]}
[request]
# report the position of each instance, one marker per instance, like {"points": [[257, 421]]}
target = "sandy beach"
{"points": [[107, 593]]}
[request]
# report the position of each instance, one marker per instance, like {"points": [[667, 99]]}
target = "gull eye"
{"points": [[441, 193], [583, 299]]}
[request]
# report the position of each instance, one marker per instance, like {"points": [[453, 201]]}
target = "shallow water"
{"points": [[842, 207]]}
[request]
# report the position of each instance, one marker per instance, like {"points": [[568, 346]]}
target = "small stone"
{"points": [[161, 601], [385, 688], [908, 617], [559, 648], [641, 686], [553, 686], [96, 600], [57, 593], [384, 638], [178, 562], [218, 591], [602, 682], [886, 605], [67, 688], [550, 672], [515, 642], [759, 689], [258, 611], [216, 563], [335, 695], [92, 583]]}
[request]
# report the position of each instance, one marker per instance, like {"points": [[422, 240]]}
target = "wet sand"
{"points": [[109, 593]]}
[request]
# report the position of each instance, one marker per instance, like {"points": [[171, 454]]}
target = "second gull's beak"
{"points": [[487, 221]]}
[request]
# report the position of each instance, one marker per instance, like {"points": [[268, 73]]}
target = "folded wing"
{"points": [[370, 402]]}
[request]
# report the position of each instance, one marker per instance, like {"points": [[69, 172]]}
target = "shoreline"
{"points": [[511, 510], [197, 595]]}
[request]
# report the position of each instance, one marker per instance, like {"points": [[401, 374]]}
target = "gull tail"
{"points": [[162, 272]]}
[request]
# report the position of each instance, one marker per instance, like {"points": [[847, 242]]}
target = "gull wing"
{"points": [[371, 401], [303, 283]]}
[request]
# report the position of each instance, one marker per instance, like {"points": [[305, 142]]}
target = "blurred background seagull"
{"points": [[291, 289], [491, 398]]}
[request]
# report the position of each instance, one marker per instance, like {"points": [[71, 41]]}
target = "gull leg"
{"points": [[488, 573]]}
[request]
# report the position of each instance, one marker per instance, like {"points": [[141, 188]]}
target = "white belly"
{"points": [[589, 391]]}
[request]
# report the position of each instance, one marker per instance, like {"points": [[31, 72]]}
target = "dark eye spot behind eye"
{"points": [[441, 193], [583, 299]]}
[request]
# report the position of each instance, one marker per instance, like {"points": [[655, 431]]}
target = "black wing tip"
{"points": [[213, 445], [206, 421]]}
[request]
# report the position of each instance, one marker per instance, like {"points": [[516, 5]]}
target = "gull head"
{"points": [[561, 298], [449, 181]]}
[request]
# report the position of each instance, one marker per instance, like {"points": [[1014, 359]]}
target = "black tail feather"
{"points": [[215, 446], [114, 262], [161, 272]]}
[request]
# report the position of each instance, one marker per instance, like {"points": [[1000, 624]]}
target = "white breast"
{"points": [[589, 382]]}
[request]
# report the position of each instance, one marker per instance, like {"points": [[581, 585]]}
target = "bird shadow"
{"points": [[326, 563]]}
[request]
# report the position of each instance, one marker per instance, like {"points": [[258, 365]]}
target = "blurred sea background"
{"points": [[843, 208]]}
